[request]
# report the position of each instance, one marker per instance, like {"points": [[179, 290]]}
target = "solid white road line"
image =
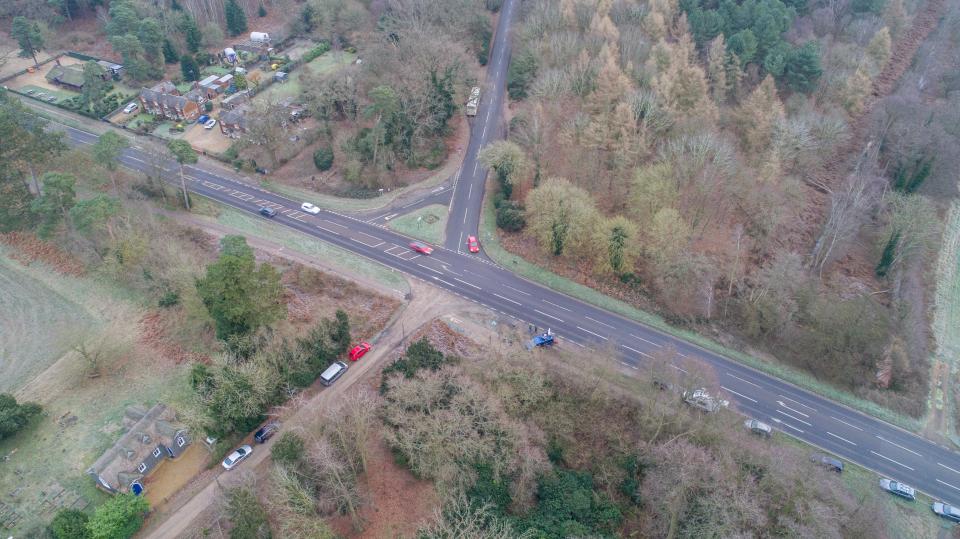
{"points": [[898, 445], [841, 438], [574, 342], [599, 322], [798, 402], [328, 230], [679, 369], [741, 395], [470, 192], [785, 424], [429, 268], [507, 299], [335, 224], [557, 306], [948, 484], [446, 283], [634, 367], [515, 290], [466, 283], [891, 460], [742, 379], [845, 423], [637, 351], [592, 333], [794, 418], [646, 341], [949, 468], [548, 315]]}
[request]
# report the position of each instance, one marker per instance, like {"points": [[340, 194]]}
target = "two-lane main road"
{"points": [[466, 202], [857, 437]]}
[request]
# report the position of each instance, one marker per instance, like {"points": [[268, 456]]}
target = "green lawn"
{"points": [[491, 245], [61, 95], [163, 131], [427, 224], [324, 64]]}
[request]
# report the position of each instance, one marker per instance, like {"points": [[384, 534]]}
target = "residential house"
{"points": [[70, 76], [225, 82], [197, 96], [171, 107], [235, 100], [234, 122], [152, 438], [166, 87]]}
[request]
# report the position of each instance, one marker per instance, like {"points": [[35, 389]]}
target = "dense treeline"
{"points": [[673, 152]]}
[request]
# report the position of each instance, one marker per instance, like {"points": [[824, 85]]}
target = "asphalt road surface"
{"points": [[466, 203], [854, 436]]}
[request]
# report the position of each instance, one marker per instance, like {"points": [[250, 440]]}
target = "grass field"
{"points": [[31, 310], [427, 223], [946, 319], [60, 94], [322, 65], [491, 245]]}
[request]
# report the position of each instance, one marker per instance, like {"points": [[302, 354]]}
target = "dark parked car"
{"points": [[266, 432], [827, 461], [267, 212]]}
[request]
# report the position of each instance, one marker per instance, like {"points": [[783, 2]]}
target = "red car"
{"points": [[472, 244], [421, 247], [359, 350]]}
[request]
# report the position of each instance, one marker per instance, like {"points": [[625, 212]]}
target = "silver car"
{"points": [[898, 488], [758, 427], [236, 457], [946, 511]]}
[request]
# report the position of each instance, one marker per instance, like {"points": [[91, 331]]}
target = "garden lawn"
{"points": [[427, 223]]}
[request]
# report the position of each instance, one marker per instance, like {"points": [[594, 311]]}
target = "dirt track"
{"points": [[427, 303]]}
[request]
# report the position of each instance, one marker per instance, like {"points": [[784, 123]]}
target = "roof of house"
{"points": [[209, 80], [165, 87], [72, 75], [225, 79], [166, 100], [235, 117], [195, 95], [151, 437], [236, 99], [109, 65]]}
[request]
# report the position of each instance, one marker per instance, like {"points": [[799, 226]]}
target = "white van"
{"points": [[333, 372]]}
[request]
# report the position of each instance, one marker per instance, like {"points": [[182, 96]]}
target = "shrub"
{"points": [[419, 355], [522, 71], [118, 518], [319, 50], [169, 299], [14, 416], [288, 449], [510, 216], [323, 158], [70, 524]]}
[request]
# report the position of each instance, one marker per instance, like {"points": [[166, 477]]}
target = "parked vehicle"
{"points": [[544, 339], [421, 247], [700, 398], [309, 208], [359, 351], [948, 512], [267, 212], [473, 102], [333, 373], [898, 488], [827, 461], [758, 427], [237, 456], [266, 432], [130, 108], [209, 124], [203, 119]]}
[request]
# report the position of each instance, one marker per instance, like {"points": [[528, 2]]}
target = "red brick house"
{"points": [[167, 106]]}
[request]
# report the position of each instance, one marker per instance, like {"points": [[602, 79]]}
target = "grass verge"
{"points": [[427, 223], [331, 255], [946, 318], [520, 266]]}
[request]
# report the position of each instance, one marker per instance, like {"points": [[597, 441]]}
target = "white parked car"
{"points": [[236, 457], [210, 123], [898, 488], [130, 108], [309, 208]]}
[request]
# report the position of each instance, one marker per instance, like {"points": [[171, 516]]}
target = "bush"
{"points": [[419, 355], [323, 158], [70, 524], [319, 50], [119, 518], [568, 506], [522, 71], [15, 417], [288, 449], [510, 216], [248, 516], [169, 299], [208, 106]]}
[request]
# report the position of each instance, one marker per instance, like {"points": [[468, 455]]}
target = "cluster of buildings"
{"points": [[71, 76]]}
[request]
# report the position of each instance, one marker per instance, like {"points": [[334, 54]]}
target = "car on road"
{"points": [[209, 124], [309, 208], [421, 247], [359, 351], [758, 427], [948, 512], [266, 432], [236, 457], [130, 108], [827, 462], [898, 488], [472, 244], [267, 212]]}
